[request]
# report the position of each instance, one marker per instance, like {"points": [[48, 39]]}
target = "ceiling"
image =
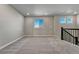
{"points": [[47, 9]]}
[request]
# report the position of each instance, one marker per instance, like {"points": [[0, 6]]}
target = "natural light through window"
{"points": [[69, 20], [66, 20], [38, 23], [62, 20]]}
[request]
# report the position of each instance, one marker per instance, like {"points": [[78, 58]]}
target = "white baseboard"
{"points": [[11, 42], [39, 35]]}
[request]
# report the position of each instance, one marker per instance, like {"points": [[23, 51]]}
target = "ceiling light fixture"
{"points": [[28, 13], [75, 12]]}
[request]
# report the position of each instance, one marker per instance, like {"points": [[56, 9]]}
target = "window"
{"points": [[66, 20], [38, 23], [62, 20], [69, 20]]}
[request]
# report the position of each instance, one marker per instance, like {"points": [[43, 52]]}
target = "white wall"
{"points": [[46, 29], [11, 24]]}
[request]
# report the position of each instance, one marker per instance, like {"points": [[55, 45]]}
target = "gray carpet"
{"points": [[40, 45]]}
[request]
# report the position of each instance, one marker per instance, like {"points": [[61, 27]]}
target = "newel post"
{"points": [[61, 33], [76, 40]]}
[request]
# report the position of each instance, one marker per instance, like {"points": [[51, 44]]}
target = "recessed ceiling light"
{"points": [[28, 13], [75, 12]]}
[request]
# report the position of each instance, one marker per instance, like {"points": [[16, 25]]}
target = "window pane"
{"points": [[69, 20], [62, 20], [38, 23]]}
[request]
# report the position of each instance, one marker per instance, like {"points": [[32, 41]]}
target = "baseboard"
{"points": [[11, 42], [39, 35]]}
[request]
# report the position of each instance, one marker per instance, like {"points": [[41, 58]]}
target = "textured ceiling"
{"points": [[47, 9]]}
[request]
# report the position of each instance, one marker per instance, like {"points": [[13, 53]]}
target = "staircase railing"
{"points": [[70, 35]]}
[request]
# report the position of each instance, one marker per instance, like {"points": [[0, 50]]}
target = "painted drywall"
{"points": [[46, 29], [78, 21], [77, 25], [11, 24], [58, 26]]}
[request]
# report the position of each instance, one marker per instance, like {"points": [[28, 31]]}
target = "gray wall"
{"points": [[78, 21], [78, 25], [11, 24], [46, 29]]}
